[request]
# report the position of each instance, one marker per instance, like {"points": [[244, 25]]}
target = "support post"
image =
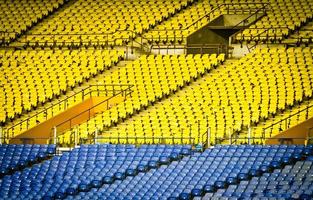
{"points": [[190, 132], [199, 130], [209, 137], [249, 135], [75, 137], [55, 135], [96, 137], [1, 135], [229, 135]]}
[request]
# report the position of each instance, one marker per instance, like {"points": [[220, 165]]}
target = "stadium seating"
{"points": [[154, 77], [227, 99], [18, 16], [97, 22], [200, 173], [31, 77], [177, 28], [280, 122], [181, 23], [14, 157], [304, 35], [292, 182], [85, 168], [282, 18]]}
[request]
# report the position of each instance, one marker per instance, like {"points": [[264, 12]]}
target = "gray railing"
{"points": [[285, 123], [77, 97]]}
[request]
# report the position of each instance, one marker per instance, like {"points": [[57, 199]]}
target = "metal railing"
{"points": [[88, 113], [191, 135], [26, 140], [137, 140], [285, 123], [172, 36], [245, 22], [300, 39], [107, 39], [265, 34], [178, 38], [92, 90], [200, 48], [255, 140]]}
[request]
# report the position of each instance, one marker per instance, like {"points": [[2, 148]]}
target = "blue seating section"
{"points": [[200, 173], [85, 168], [167, 172], [291, 182], [14, 157]]}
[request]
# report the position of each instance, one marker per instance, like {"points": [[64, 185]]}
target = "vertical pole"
{"points": [[174, 39], [209, 137], [75, 136], [249, 135], [96, 137], [199, 132], [229, 135], [1, 135], [263, 134], [181, 136], [190, 132], [55, 135]]}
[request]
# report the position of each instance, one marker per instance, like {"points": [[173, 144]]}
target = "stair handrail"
{"points": [[123, 92], [6, 131], [264, 5], [300, 38], [255, 13], [286, 118], [252, 37], [220, 47], [211, 11], [245, 139]]}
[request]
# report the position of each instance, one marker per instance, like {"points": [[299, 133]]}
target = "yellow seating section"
{"points": [[283, 121], [30, 77], [17, 16], [179, 26], [226, 100], [101, 20], [154, 77], [284, 15], [98, 22], [287, 14], [304, 35]]}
